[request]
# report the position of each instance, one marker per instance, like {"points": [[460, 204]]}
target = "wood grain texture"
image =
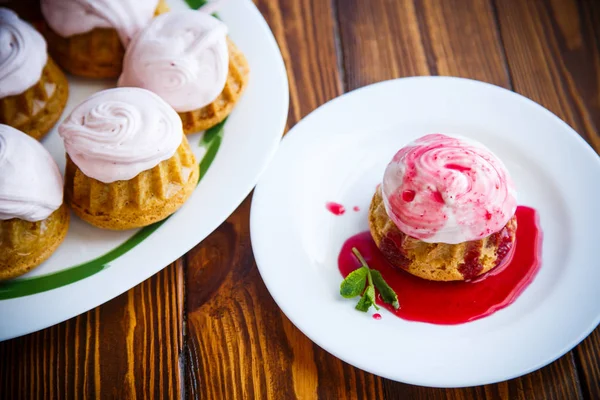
{"points": [[235, 334], [239, 343], [553, 59], [553, 55], [588, 360], [563, 37], [461, 39], [127, 348], [304, 30], [380, 40]]}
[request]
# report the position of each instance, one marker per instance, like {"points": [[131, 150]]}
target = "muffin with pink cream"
{"points": [[128, 162], [186, 58], [33, 90], [445, 210], [33, 219], [88, 37]]}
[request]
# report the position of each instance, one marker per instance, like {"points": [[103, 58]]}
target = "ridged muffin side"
{"points": [[438, 261], [215, 112], [37, 109], [24, 245], [149, 197]]}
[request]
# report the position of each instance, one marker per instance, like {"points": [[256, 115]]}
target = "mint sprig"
{"points": [[367, 300], [354, 285], [387, 293]]}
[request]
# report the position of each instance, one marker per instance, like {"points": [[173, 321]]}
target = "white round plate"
{"points": [[339, 153], [92, 266]]}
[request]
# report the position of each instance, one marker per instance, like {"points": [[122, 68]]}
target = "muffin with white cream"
{"points": [[445, 210]]}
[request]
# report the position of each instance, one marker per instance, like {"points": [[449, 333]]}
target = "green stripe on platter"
{"points": [[211, 141], [37, 284], [42, 283], [209, 157], [196, 4], [210, 134]]}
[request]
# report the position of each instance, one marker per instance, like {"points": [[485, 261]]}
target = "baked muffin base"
{"points": [[24, 245], [36, 110], [438, 261], [149, 197], [94, 54], [210, 115]]}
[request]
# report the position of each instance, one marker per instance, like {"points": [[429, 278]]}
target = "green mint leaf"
{"points": [[371, 289], [387, 293], [352, 287], [354, 284], [367, 300]]}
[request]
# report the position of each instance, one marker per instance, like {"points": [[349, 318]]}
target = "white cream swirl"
{"points": [[31, 186], [117, 133], [73, 17], [448, 189], [22, 54], [181, 56]]}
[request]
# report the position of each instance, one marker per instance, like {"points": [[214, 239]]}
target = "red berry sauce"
{"points": [[335, 208], [449, 303]]}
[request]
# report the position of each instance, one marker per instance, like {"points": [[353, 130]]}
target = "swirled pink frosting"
{"points": [[448, 189], [31, 186], [22, 54], [182, 56], [72, 17], [117, 133]]}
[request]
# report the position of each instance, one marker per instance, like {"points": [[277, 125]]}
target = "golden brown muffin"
{"points": [[24, 245], [438, 261], [149, 197], [37, 109], [210, 115], [94, 54]]}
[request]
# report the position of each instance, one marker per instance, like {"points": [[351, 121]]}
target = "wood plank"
{"points": [[563, 37], [463, 40], [239, 344], [380, 40], [588, 361], [458, 38], [127, 348], [305, 33], [386, 39], [235, 334], [553, 59]]}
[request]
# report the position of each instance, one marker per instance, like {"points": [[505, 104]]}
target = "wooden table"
{"points": [[206, 327]]}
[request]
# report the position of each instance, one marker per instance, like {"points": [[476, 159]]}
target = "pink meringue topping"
{"points": [[22, 54], [182, 56], [445, 189], [31, 186], [73, 17], [117, 133]]}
